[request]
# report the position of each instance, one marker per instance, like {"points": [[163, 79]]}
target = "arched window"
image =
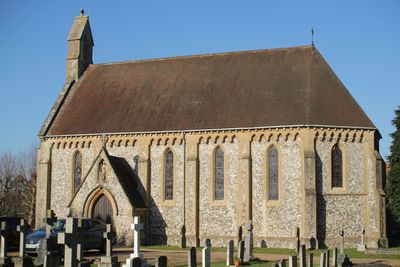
{"points": [[273, 173], [136, 165], [219, 174], [337, 167], [77, 170], [169, 175]]}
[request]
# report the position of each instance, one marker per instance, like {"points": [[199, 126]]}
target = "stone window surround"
{"points": [[345, 170], [72, 179], [211, 179], [279, 202], [163, 201]]}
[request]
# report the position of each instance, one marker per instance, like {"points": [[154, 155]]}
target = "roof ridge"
{"points": [[204, 55]]}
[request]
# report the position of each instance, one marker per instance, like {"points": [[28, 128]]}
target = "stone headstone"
{"points": [[310, 260], [241, 251], [327, 258], [135, 262], [292, 261], [49, 221], [275, 264], [206, 257], [343, 260], [302, 255], [322, 259], [248, 254], [229, 253], [161, 261], [192, 257], [297, 239], [208, 243], [362, 246], [4, 259], [282, 263], [22, 260], [334, 257], [263, 244], [109, 260], [183, 237]]}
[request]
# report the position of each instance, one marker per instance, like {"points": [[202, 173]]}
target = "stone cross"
{"points": [[240, 234], [341, 240], [108, 235], [327, 256], [241, 251], [206, 258], [161, 261], [282, 263], [297, 239], [334, 257], [310, 260], [248, 255], [362, 246], [49, 220], [229, 253], [183, 237], [70, 239], [292, 261], [136, 227], [302, 256], [192, 257], [22, 229]]}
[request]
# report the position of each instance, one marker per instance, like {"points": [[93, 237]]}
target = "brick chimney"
{"points": [[80, 47]]}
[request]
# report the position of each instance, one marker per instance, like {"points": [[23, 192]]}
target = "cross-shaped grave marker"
{"points": [[136, 227], [49, 220], [22, 229], [108, 260], [4, 260], [70, 239]]}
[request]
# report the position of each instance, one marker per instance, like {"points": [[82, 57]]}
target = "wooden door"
{"points": [[102, 210]]}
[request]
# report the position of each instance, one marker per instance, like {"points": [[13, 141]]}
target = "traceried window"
{"points": [[273, 173], [337, 167], [169, 175], [219, 174], [77, 170], [136, 165]]}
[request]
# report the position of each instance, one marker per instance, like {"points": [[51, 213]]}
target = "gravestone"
{"points": [[208, 243], [297, 239], [161, 261], [70, 240], [322, 259], [135, 262], [108, 260], [192, 257], [49, 254], [240, 234], [342, 259], [206, 258], [292, 261], [310, 260], [136, 227], [241, 251], [341, 240], [183, 237], [334, 257], [362, 246], [263, 244], [22, 260], [327, 256], [229, 253], [302, 255], [282, 263], [248, 254], [4, 259]]}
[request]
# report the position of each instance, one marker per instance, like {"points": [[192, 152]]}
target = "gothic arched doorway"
{"points": [[102, 209]]}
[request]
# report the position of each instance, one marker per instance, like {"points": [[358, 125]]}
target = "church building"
{"points": [[206, 143]]}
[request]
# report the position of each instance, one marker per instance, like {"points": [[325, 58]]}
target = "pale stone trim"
{"points": [[345, 170], [163, 201], [211, 180], [72, 179], [94, 196], [279, 201]]}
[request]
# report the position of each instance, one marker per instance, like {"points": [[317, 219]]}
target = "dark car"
{"points": [[13, 234], [93, 236]]}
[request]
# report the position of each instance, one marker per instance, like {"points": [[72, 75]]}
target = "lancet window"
{"points": [[273, 173], [219, 174], [77, 170], [337, 166], [169, 175]]}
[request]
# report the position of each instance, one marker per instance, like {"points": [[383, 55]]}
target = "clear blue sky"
{"points": [[359, 39]]}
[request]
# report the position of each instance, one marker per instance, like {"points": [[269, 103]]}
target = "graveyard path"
{"points": [[179, 257]]}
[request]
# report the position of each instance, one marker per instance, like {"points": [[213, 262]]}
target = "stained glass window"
{"points": [[136, 165], [169, 175], [273, 174], [337, 168], [77, 170], [219, 174]]}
